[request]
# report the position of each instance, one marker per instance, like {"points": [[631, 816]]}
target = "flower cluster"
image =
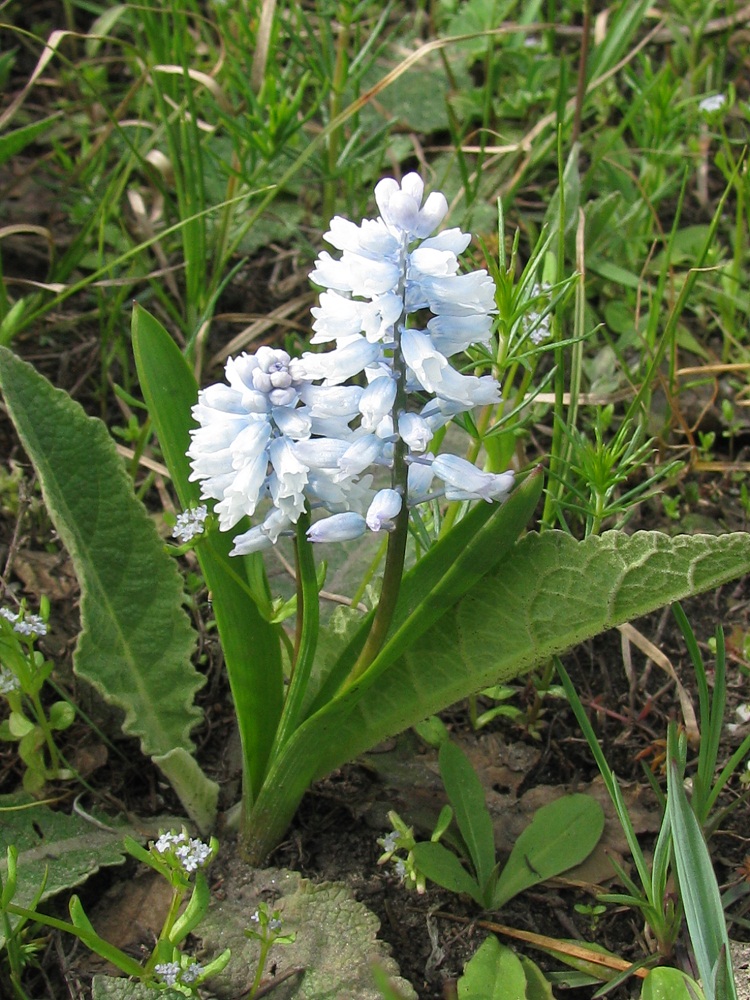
{"points": [[25, 624], [300, 433], [172, 973], [8, 681], [190, 852], [190, 523]]}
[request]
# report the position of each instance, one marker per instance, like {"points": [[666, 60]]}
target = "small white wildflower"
{"points": [[8, 681], [168, 840], [538, 325], [191, 973], [168, 972], [390, 842], [399, 867], [190, 523], [9, 615], [743, 712], [274, 924], [193, 855], [712, 103], [32, 625]]}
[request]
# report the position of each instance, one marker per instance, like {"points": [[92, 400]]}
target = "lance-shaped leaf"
{"points": [[250, 644], [136, 641]]}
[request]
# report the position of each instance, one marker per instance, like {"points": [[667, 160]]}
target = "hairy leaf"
{"points": [[136, 640]]}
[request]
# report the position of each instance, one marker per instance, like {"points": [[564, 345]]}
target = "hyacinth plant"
{"points": [[331, 446], [299, 444]]}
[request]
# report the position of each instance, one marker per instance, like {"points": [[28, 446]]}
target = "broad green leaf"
{"points": [[250, 644], [494, 972], [537, 986], [67, 848], [548, 593], [136, 640], [466, 795], [560, 836], [442, 867], [664, 983]]}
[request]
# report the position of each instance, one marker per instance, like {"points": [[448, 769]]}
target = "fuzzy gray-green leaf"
{"points": [[136, 640]]}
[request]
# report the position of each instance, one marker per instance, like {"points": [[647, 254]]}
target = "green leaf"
{"points": [[665, 983], [466, 795], [63, 849], [136, 640], [537, 986], [549, 593], [61, 715], [13, 142], [476, 545], [494, 972], [442, 867], [560, 836], [250, 644], [699, 890]]}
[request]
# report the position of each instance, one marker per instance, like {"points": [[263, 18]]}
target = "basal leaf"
{"points": [[466, 795], [442, 867], [561, 835], [136, 640], [493, 973], [250, 644]]}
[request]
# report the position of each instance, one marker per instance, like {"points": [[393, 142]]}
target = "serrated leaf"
{"points": [[549, 593], [67, 848], [561, 835], [136, 640]]}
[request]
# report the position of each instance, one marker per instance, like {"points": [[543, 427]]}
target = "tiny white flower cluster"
{"points": [[711, 104], [25, 624], [189, 851], [538, 324], [8, 681], [273, 923], [293, 431], [170, 973], [190, 523]]}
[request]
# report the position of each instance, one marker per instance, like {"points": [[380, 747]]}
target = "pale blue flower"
{"points": [[415, 431], [464, 481], [168, 972], [294, 434], [377, 401], [338, 528], [384, 508], [191, 972]]}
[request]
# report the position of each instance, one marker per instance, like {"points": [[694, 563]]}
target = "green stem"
{"points": [[92, 941], [306, 642]]}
